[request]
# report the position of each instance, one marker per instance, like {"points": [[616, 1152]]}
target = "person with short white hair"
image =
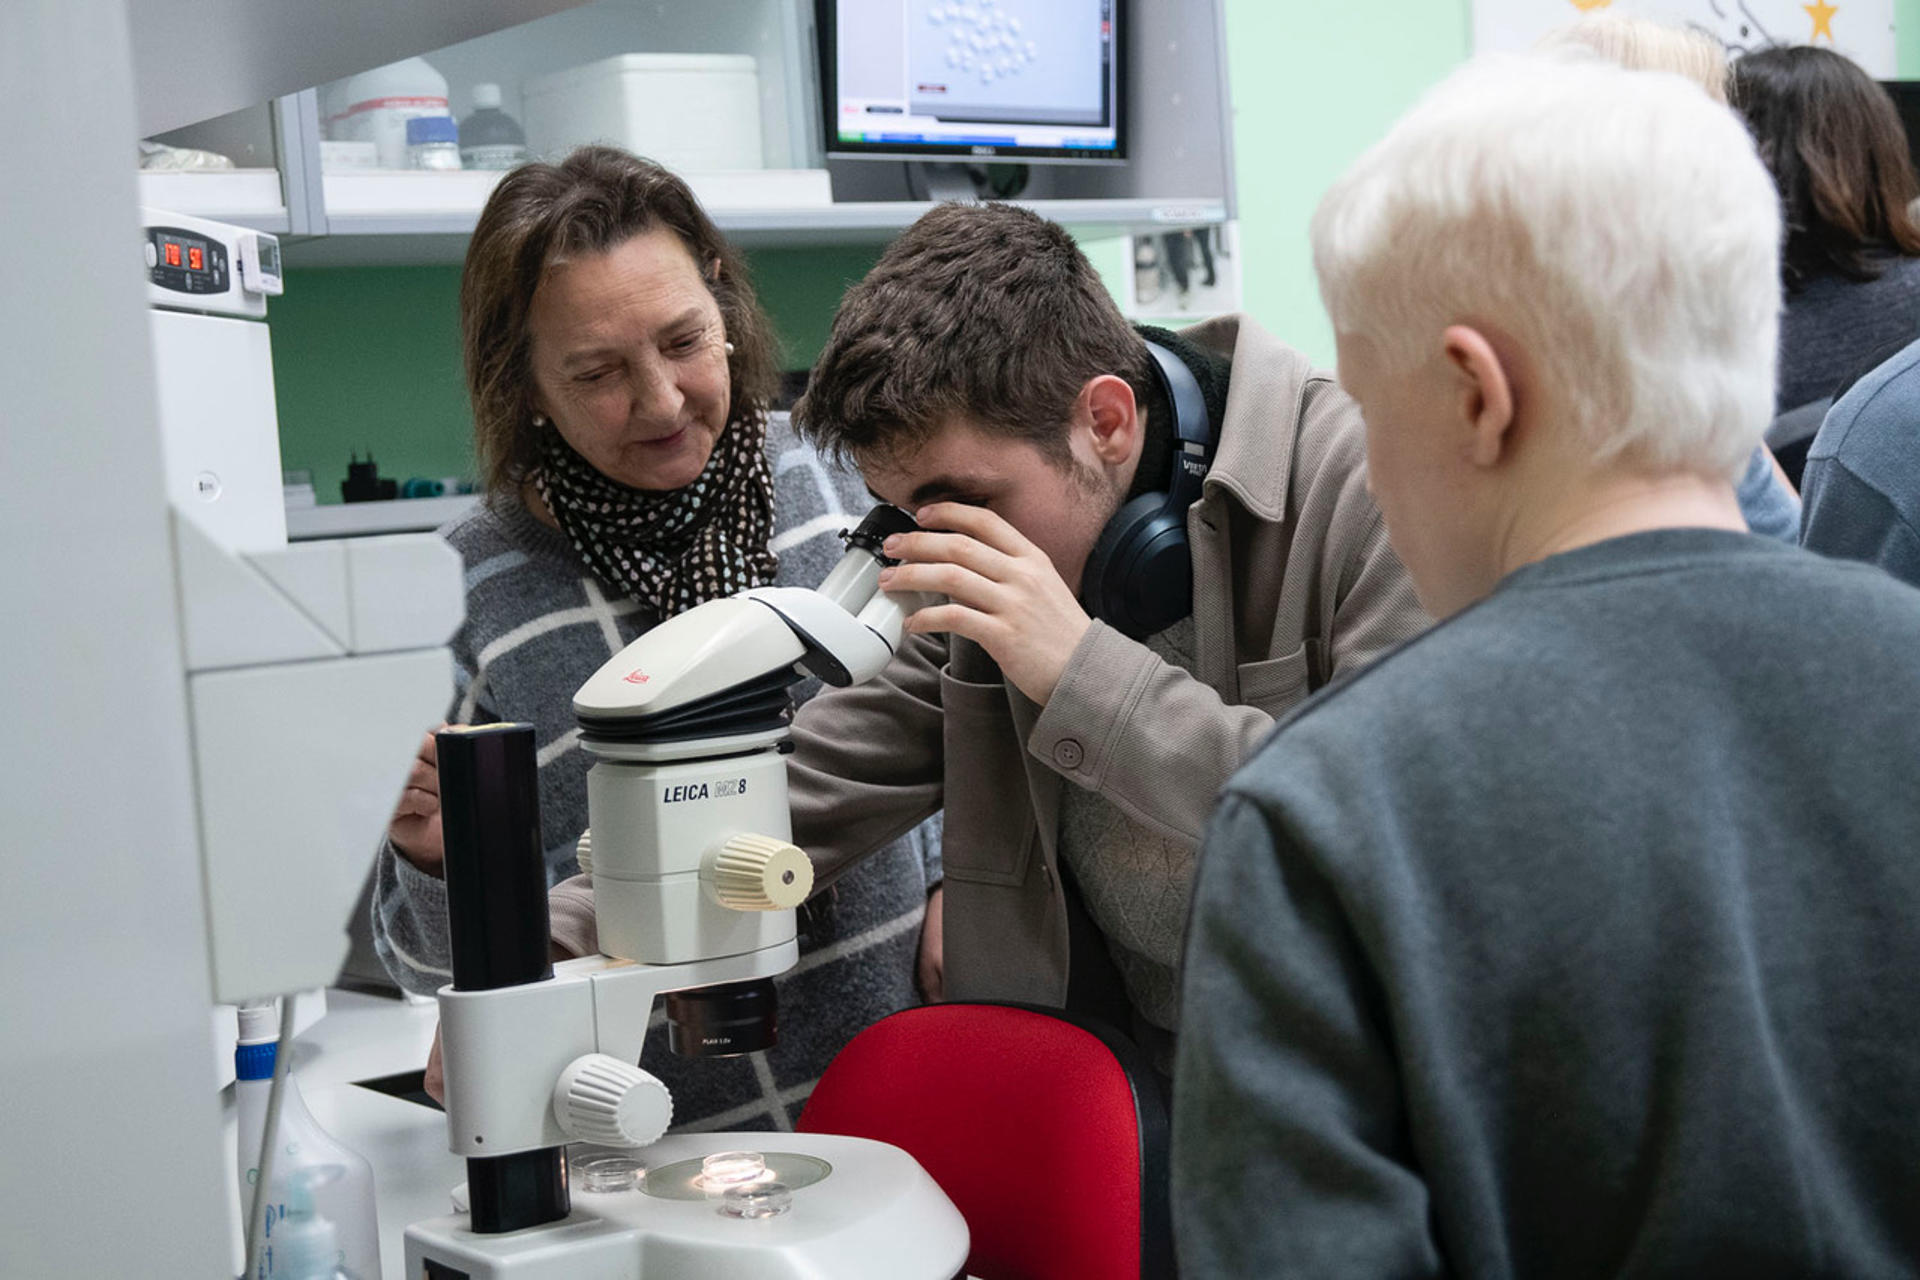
{"points": [[1767, 497], [1576, 936]]}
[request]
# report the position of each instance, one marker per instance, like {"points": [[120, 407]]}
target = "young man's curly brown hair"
{"points": [[987, 314]]}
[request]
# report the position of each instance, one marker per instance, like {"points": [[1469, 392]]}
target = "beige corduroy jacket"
{"points": [[1293, 584]]}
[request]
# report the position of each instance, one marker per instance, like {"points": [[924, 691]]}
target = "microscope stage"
{"points": [[872, 1212]]}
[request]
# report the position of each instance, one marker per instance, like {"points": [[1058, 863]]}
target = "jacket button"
{"points": [[1067, 753]]}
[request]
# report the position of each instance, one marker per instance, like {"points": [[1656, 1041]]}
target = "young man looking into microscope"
{"points": [[1072, 705]]}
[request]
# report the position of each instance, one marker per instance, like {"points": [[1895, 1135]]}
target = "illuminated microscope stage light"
{"points": [[725, 1169]]}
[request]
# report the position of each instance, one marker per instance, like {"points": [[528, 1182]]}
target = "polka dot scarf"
{"points": [[675, 549]]}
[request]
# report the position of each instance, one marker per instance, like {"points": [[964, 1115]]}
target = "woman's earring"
{"points": [[729, 347], [539, 419]]}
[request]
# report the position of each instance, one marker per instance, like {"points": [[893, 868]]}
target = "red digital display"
{"points": [[173, 255], [196, 259]]}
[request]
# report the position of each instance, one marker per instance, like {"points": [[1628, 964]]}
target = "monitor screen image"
{"points": [[1021, 79]]}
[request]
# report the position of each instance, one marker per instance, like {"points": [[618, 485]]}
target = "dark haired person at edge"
{"points": [[1833, 142], [619, 369], [1072, 718]]}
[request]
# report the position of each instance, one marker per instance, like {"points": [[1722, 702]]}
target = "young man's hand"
{"points": [[1003, 592], [930, 967]]}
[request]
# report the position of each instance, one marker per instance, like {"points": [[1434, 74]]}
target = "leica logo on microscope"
{"points": [[679, 791]]}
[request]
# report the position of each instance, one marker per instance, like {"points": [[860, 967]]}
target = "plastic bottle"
{"points": [[307, 1243], [432, 143], [490, 138], [345, 1200], [375, 106]]}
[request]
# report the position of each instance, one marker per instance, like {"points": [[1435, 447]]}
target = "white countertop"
{"points": [[364, 1037], [413, 1172], [360, 519]]}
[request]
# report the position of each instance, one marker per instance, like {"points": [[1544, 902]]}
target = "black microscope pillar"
{"points": [[497, 917]]}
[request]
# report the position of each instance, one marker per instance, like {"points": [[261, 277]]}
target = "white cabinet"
{"points": [[1178, 120], [250, 194]]}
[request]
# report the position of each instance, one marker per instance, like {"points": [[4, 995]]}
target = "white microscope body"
{"points": [[695, 884]]}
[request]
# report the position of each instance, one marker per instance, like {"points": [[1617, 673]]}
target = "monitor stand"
{"points": [[942, 182]]}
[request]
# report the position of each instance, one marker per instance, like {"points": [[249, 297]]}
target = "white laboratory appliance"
{"points": [[312, 668], [695, 882]]}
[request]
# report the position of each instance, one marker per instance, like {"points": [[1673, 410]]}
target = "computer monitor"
{"points": [[973, 80]]}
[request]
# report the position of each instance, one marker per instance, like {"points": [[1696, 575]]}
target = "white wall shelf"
{"points": [[364, 519], [398, 201], [426, 239], [1180, 138], [249, 197]]}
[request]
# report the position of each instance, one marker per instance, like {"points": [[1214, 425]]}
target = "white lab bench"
{"points": [[413, 1172], [365, 1037], [363, 519]]}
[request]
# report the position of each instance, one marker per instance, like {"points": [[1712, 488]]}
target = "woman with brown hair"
{"points": [[619, 369], [1851, 267]]}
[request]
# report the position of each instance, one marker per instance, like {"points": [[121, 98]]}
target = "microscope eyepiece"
{"points": [[881, 523]]}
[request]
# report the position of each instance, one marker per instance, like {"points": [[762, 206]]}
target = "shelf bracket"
{"points": [[296, 126]]}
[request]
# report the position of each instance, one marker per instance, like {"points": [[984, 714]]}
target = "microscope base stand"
{"points": [[506, 1048], [875, 1215]]}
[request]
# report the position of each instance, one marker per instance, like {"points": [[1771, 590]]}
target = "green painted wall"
{"points": [[1906, 27], [1299, 121], [370, 358], [1295, 132]]}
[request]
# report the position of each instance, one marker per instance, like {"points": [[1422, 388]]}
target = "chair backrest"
{"points": [[1048, 1133]]}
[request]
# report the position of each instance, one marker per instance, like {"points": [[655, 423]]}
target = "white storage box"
{"points": [[688, 111]]}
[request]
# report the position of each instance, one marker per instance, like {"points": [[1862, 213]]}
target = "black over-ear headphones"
{"points": [[1139, 578]]}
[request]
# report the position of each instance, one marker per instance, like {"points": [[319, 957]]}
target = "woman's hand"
{"points": [[415, 831], [931, 965], [434, 1081]]}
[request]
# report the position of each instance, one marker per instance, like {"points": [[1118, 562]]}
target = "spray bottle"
{"points": [[307, 1245], [342, 1201]]}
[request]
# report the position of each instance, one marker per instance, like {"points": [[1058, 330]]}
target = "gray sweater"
{"points": [[538, 625], [1832, 325], [1576, 938], [1863, 472]]}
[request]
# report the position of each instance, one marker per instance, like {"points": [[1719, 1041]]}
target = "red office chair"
{"points": [[1049, 1133]]}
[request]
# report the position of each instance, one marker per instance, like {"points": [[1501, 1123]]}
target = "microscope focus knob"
{"points": [[759, 873], [611, 1103]]}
